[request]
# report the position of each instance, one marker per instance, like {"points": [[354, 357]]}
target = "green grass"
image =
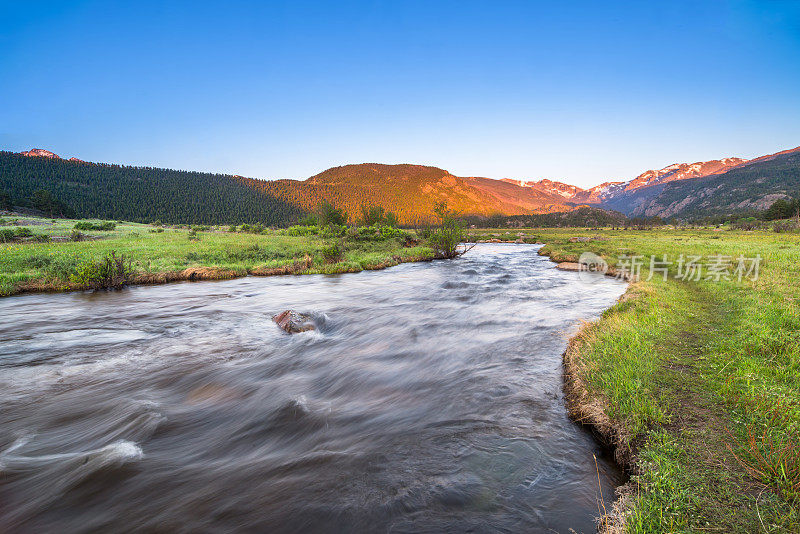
{"points": [[29, 265], [704, 379]]}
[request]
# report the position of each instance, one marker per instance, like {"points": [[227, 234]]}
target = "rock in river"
{"points": [[293, 322]]}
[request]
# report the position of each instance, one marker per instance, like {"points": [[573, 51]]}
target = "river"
{"points": [[428, 400]]}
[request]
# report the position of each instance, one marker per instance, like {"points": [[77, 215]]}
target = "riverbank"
{"points": [[52, 258], [694, 382]]}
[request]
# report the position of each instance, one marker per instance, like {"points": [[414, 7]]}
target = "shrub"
{"points": [[10, 235], [749, 223], [785, 226], [376, 215], [7, 235], [445, 239], [302, 230], [86, 225], [110, 272], [41, 238], [424, 231], [327, 215], [192, 235], [252, 228], [390, 232], [332, 230], [332, 254], [410, 241], [308, 220], [76, 235]]}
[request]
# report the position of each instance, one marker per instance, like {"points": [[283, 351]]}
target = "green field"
{"points": [[697, 382], [162, 254]]}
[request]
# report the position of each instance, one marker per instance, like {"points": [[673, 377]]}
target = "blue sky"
{"points": [[578, 91]]}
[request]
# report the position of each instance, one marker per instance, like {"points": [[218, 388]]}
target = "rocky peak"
{"points": [[41, 153], [683, 171]]}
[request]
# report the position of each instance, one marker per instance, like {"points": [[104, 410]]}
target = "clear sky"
{"points": [[578, 91]]}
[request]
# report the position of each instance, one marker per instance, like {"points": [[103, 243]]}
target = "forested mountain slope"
{"points": [[140, 194]]}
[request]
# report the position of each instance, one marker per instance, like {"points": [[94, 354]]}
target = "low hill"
{"points": [[410, 191], [139, 194]]}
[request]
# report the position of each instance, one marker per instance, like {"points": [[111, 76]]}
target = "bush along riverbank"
{"points": [[693, 377]]}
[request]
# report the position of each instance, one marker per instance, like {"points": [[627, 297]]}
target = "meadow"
{"points": [[55, 256], [694, 380]]}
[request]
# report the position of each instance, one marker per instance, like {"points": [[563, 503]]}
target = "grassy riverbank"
{"points": [[697, 382], [47, 260]]}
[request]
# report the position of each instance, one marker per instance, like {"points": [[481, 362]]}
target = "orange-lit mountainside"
{"points": [[718, 187], [412, 191]]}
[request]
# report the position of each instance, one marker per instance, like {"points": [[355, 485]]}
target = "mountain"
{"points": [[411, 191], [143, 194], [683, 171], [685, 190], [724, 186], [561, 189], [40, 153], [628, 197], [750, 186]]}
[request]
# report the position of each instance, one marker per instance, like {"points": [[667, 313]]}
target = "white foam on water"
{"points": [[116, 453]]}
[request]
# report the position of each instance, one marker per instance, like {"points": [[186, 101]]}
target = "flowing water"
{"points": [[428, 400]]}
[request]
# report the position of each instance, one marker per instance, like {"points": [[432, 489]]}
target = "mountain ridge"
{"points": [[413, 190]]}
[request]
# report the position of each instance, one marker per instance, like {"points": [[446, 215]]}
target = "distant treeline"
{"points": [[581, 217], [140, 194]]}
